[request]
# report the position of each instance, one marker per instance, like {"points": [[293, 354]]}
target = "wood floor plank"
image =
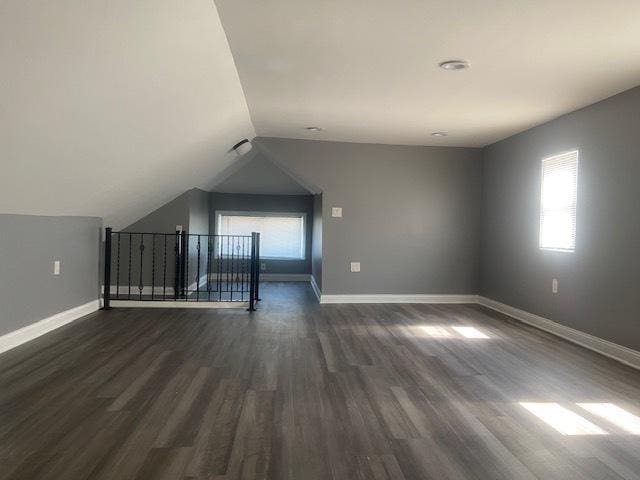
{"points": [[300, 390]]}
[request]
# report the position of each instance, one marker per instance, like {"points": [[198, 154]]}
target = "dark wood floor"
{"points": [[302, 391]]}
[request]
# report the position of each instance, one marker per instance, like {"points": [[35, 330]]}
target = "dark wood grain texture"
{"points": [[302, 391]]}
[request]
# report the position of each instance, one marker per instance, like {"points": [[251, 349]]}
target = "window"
{"points": [[559, 202], [282, 235]]}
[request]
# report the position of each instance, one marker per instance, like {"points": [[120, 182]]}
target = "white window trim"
{"points": [[254, 213], [549, 157]]}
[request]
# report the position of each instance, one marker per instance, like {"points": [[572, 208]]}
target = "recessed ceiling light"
{"points": [[313, 129], [439, 134], [454, 65]]}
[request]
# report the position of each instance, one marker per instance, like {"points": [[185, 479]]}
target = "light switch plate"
{"points": [[336, 212], [355, 266], [554, 285], [56, 267]]}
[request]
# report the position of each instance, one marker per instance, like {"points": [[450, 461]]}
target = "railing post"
{"points": [[107, 269], [258, 267], [252, 274]]}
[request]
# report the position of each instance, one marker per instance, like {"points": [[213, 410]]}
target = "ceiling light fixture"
{"points": [[454, 65], [242, 147], [439, 134], [313, 129]]}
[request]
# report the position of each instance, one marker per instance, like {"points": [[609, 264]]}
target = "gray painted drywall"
{"points": [[269, 203], [28, 247], [165, 218], [198, 212], [260, 176], [600, 281], [411, 214], [316, 241]]}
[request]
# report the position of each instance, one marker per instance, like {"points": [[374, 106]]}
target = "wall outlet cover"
{"points": [[263, 266], [554, 285], [355, 266], [336, 212], [56, 267]]}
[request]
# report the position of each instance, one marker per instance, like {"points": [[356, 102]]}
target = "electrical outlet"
{"points": [[56, 267], [554, 285], [336, 212], [355, 266], [263, 266]]}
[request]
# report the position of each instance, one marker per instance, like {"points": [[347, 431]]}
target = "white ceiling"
{"points": [[366, 70], [112, 108]]}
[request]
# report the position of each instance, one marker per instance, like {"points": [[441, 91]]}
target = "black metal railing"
{"points": [[181, 267]]}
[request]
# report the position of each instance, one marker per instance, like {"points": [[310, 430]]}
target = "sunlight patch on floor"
{"points": [[614, 414], [470, 332], [437, 331], [562, 419]]}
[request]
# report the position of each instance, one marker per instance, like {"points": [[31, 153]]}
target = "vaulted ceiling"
{"points": [[367, 70], [112, 108]]}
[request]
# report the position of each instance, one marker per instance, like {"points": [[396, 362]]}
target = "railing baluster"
{"points": [[141, 286], [198, 273], [153, 264], [130, 247], [176, 274], [242, 267], [186, 267], [231, 268], [219, 276], [164, 268], [118, 269], [209, 267]]}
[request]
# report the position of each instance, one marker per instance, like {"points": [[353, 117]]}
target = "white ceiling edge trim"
{"points": [[117, 124]]}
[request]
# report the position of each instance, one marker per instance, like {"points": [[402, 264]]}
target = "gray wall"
{"points": [[269, 203], [165, 218], [28, 247], [258, 175], [411, 214], [198, 212], [316, 241], [600, 281]]}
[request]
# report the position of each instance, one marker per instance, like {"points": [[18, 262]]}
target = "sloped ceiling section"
{"points": [[113, 108]]}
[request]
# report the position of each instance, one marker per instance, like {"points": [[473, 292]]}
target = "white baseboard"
{"points": [[391, 298], [316, 289], [604, 347], [285, 277], [34, 330]]}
